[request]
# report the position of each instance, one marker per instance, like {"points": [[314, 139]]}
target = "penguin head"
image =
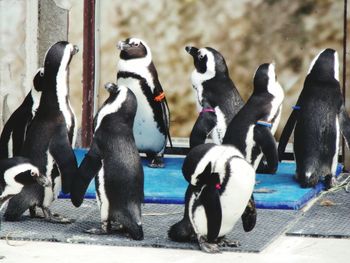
{"points": [[31, 176], [205, 177], [121, 100], [325, 65], [265, 80], [38, 79], [58, 58], [207, 61], [134, 48]]}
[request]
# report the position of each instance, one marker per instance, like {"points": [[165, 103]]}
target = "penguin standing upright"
{"points": [[14, 174], [114, 160], [222, 182], [251, 130], [317, 120], [217, 96], [138, 73], [14, 131], [48, 138]]}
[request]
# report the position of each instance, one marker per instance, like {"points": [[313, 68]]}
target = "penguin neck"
{"points": [[36, 95], [139, 66], [62, 92]]}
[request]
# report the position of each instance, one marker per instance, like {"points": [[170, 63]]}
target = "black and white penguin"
{"points": [[217, 97], [221, 182], [48, 138], [251, 130], [317, 120], [138, 73], [14, 131], [15, 173], [114, 161]]}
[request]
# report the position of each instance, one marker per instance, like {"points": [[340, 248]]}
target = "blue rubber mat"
{"points": [[167, 186]]}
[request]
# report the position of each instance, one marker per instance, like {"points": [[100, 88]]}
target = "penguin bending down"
{"points": [[317, 120], [48, 138], [251, 130], [14, 131], [217, 96], [14, 174], [115, 163], [221, 183], [138, 73]]}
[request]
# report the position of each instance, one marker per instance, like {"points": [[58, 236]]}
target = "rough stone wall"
{"points": [[246, 32], [12, 55]]}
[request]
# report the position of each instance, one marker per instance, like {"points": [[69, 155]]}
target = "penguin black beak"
{"points": [[111, 87], [75, 49], [122, 45], [43, 180], [191, 50]]}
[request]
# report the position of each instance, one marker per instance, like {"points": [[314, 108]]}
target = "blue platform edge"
{"points": [[167, 185]]}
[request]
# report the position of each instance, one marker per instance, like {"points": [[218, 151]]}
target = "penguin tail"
{"points": [[249, 216], [182, 231]]}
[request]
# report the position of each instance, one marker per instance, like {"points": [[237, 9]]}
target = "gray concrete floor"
{"points": [[284, 249]]}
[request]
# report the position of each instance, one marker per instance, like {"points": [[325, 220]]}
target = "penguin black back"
{"points": [[217, 96], [317, 120], [250, 130]]}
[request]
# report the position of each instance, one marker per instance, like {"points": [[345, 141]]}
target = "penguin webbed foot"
{"points": [[329, 182], [55, 218], [157, 162], [105, 229], [224, 242], [207, 247]]}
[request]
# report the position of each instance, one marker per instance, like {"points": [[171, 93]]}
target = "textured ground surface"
{"points": [[156, 221]]}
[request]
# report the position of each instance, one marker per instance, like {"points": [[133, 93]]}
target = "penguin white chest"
{"points": [[146, 131], [233, 200]]}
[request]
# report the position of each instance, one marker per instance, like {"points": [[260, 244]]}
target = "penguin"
{"points": [[217, 96], [114, 161], [138, 73], [317, 119], [14, 174], [13, 133], [251, 130], [48, 139], [222, 182]]}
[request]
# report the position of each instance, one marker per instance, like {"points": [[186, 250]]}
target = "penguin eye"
{"points": [[41, 73], [200, 56], [136, 44]]}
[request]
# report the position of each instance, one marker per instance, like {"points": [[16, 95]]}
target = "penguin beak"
{"points": [[122, 45], [191, 50], [43, 180], [75, 50], [111, 87]]}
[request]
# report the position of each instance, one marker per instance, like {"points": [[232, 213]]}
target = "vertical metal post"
{"points": [[88, 72], [345, 151]]}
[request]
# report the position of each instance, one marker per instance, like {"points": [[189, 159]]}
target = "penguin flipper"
{"points": [[210, 199], [287, 131], [63, 154], [267, 144], [344, 123], [205, 123], [88, 169], [4, 139], [249, 215]]}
